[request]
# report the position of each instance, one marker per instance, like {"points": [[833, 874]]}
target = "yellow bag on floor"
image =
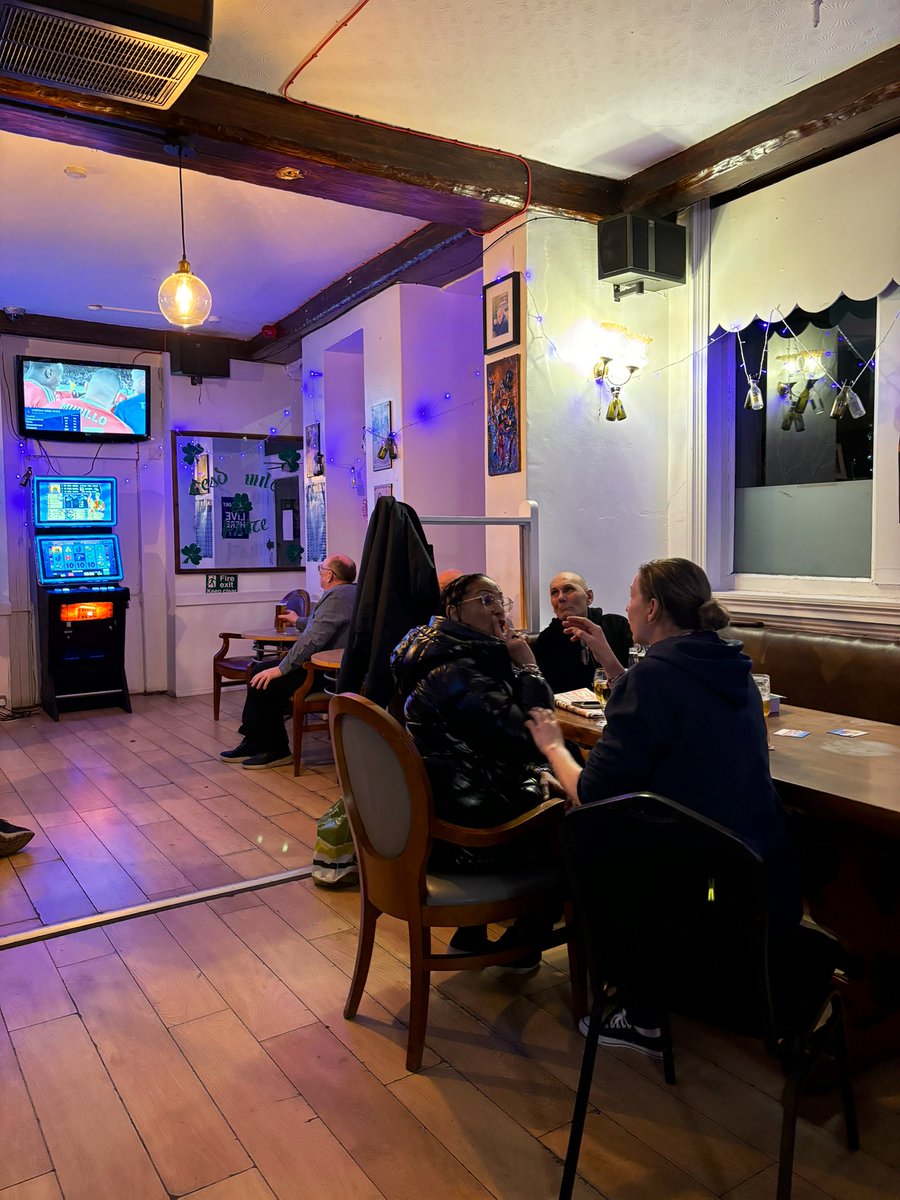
{"points": [[334, 859]]}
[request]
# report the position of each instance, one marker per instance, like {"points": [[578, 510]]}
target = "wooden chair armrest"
{"points": [[307, 685], [222, 652], [545, 816]]}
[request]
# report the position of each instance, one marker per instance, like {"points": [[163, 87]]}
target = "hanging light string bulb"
{"points": [[183, 298]]}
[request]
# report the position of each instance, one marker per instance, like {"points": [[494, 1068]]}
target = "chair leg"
{"points": [[368, 915], [665, 1028], [419, 984], [851, 1125], [788, 1135], [217, 694], [577, 967], [297, 740], [582, 1096]]}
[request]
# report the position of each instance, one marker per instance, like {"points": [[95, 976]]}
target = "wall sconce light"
{"points": [[184, 299], [622, 355]]}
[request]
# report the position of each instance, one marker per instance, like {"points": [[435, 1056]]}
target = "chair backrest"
{"points": [[674, 907], [298, 601], [387, 794]]}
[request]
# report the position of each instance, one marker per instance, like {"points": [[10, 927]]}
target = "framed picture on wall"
{"points": [[503, 424], [383, 489], [383, 446], [501, 304], [311, 450]]}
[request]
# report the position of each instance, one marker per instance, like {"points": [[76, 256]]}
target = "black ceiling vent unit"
{"points": [[637, 254], [142, 53]]}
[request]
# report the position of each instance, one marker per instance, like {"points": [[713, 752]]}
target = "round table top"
{"points": [[270, 635], [327, 660]]}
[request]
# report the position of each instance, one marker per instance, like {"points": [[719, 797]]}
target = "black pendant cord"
{"points": [[181, 202]]}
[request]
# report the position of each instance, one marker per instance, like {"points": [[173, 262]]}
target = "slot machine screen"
{"points": [[65, 560], [61, 500]]}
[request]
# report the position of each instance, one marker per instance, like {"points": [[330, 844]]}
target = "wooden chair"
{"points": [[391, 813], [299, 602], [307, 703], [229, 672]]}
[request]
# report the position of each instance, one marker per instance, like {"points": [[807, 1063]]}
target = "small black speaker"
{"points": [[634, 249], [200, 357]]}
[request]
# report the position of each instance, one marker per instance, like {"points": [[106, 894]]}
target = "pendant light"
{"points": [[184, 299]]}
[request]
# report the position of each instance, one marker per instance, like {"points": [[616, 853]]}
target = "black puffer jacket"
{"points": [[466, 712]]}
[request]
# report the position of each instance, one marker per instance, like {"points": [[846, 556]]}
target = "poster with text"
{"points": [[235, 518]]}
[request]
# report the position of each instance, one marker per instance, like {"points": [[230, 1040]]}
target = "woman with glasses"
{"points": [[467, 681]]}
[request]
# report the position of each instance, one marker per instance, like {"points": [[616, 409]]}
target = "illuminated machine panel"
{"points": [[61, 500], [65, 561]]}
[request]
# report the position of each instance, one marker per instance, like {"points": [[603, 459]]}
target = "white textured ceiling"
{"points": [[607, 87]]}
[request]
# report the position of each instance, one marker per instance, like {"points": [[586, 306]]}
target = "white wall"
{"points": [[172, 625], [602, 486]]}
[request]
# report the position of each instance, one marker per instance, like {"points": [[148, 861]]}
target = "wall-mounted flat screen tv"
{"points": [[74, 560], [67, 501], [78, 401]]}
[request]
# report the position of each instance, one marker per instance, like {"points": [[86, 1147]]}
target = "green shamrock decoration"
{"points": [[241, 503], [293, 552], [192, 553], [190, 452], [290, 460]]}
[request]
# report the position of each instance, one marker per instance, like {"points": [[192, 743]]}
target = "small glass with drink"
{"points": [[280, 622], [764, 683], [601, 686]]}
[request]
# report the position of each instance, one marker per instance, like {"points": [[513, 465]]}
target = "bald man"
{"points": [[264, 737], [565, 663]]}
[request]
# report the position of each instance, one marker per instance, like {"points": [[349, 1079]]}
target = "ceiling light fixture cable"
{"points": [[432, 137], [184, 299]]}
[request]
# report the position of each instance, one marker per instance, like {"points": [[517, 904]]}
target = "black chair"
{"points": [[674, 910]]}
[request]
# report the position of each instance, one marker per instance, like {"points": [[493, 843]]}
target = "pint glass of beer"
{"points": [[764, 684], [280, 623]]}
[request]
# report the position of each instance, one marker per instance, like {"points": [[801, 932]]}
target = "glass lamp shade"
{"points": [[184, 299]]}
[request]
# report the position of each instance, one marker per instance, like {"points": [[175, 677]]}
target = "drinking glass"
{"points": [[764, 683], [280, 610], [601, 686]]}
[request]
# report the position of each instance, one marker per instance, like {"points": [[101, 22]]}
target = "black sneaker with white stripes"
{"points": [[617, 1030]]}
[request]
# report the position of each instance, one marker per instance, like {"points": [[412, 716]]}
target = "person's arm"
{"points": [[584, 630], [327, 622], [547, 736]]}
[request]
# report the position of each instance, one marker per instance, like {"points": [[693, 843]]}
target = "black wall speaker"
{"points": [[203, 358], [635, 249]]}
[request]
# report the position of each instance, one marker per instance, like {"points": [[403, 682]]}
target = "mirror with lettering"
{"points": [[237, 502]]}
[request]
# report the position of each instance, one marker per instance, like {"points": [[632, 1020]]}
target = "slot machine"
{"points": [[79, 600]]}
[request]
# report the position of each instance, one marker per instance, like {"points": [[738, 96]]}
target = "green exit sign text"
{"points": [[218, 582]]}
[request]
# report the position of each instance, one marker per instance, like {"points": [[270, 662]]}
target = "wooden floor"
{"points": [[203, 1052]]}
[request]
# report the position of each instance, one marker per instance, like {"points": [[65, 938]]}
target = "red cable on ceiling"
{"points": [[432, 137]]}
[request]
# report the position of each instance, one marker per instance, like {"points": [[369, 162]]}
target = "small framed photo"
{"points": [[383, 489], [384, 448], [501, 301]]}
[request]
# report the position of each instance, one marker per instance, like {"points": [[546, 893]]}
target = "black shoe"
{"points": [[526, 963], [471, 939], [268, 758], [617, 1030], [240, 753], [13, 838]]}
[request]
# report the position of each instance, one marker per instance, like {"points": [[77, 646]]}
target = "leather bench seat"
{"points": [[847, 675]]}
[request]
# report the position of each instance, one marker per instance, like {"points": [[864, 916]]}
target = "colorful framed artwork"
{"points": [[311, 450], [502, 310], [315, 521], [383, 489], [503, 422], [383, 445]]}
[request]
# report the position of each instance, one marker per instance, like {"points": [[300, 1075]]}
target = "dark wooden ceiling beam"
{"points": [[243, 134], [95, 333], [436, 255], [831, 118]]}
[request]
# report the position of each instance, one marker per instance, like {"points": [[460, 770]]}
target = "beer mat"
{"points": [[791, 733], [849, 732]]}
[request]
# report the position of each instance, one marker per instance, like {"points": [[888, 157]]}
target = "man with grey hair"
{"points": [[565, 663], [265, 740]]}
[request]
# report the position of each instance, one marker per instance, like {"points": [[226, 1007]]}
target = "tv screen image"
{"points": [[75, 400], [72, 560], [70, 500]]}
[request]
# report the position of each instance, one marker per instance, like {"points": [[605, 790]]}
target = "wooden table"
{"points": [[327, 660], [843, 798], [269, 637]]}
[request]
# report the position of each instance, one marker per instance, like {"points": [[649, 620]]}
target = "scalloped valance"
{"points": [[801, 243]]}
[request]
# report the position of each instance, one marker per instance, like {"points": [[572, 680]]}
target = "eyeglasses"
{"points": [[486, 599], [325, 570]]}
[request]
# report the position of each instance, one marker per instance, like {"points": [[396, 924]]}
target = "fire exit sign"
{"points": [[217, 581]]}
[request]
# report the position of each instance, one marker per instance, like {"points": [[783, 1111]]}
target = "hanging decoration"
{"points": [[183, 298]]}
